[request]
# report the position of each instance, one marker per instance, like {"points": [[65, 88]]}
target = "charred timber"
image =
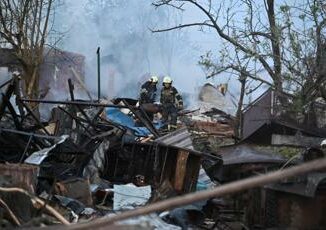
{"points": [[28, 134], [81, 103]]}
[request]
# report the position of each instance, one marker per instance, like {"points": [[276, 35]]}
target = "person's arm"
{"points": [[178, 100], [143, 93], [161, 98], [154, 96]]}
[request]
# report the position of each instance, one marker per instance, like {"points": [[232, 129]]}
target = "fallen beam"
{"points": [[223, 190], [82, 103], [38, 121], [28, 134], [141, 115]]}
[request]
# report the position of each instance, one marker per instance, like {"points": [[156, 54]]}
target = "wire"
{"points": [[291, 159]]}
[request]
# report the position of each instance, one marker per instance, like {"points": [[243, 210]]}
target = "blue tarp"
{"points": [[118, 117]]}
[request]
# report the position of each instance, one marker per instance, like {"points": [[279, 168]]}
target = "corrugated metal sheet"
{"points": [[180, 138]]}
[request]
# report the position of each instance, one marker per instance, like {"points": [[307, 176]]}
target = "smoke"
{"points": [[129, 50]]}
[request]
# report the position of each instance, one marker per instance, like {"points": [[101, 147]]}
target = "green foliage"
{"points": [[289, 152], [302, 16], [206, 60], [284, 8], [284, 151]]}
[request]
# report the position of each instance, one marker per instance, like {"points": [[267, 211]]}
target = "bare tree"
{"points": [[282, 46], [276, 42], [243, 37], [304, 54], [24, 27]]}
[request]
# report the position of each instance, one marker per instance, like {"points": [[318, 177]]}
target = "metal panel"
{"points": [[180, 138]]}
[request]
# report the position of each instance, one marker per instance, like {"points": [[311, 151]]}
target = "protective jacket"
{"points": [[170, 96], [147, 93]]}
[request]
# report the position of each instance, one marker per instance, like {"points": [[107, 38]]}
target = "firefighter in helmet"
{"points": [[171, 102], [148, 91]]}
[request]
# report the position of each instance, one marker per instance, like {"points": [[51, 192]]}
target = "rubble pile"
{"points": [[212, 123], [90, 159], [93, 160]]}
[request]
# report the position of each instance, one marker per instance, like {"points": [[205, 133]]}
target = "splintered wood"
{"points": [[181, 170]]}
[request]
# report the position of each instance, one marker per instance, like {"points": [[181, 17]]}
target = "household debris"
{"points": [[96, 159], [130, 196]]}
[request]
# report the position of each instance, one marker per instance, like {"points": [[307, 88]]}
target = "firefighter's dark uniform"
{"points": [[147, 93], [171, 102]]}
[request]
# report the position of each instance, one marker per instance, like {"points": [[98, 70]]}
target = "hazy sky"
{"points": [[123, 32]]}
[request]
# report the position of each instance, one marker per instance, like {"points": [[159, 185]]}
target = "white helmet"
{"points": [[167, 80], [323, 144], [154, 79]]}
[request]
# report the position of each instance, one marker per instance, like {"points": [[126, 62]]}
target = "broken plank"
{"points": [[181, 170]]}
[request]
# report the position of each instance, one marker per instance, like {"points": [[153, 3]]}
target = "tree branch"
{"points": [[181, 26], [224, 35], [241, 71]]}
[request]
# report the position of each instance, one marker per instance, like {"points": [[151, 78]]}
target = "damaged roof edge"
{"points": [[181, 139]]}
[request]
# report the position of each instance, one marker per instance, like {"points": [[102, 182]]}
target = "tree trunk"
{"points": [[238, 118], [275, 40], [31, 79]]}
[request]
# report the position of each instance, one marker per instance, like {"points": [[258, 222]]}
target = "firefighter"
{"points": [[171, 102], [148, 91]]}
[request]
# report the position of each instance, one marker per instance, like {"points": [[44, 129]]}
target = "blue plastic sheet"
{"points": [[118, 117]]}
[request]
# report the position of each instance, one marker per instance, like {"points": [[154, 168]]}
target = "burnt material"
{"points": [[142, 116], [81, 103], [157, 163]]}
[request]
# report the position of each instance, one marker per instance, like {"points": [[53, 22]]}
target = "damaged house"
{"points": [[281, 123], [57, 68], [276, 136], [94, 159]]}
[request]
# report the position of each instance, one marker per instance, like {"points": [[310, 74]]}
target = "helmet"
{"points": [[167, 80], [154, 79], [16, 73], [323, 144]]}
